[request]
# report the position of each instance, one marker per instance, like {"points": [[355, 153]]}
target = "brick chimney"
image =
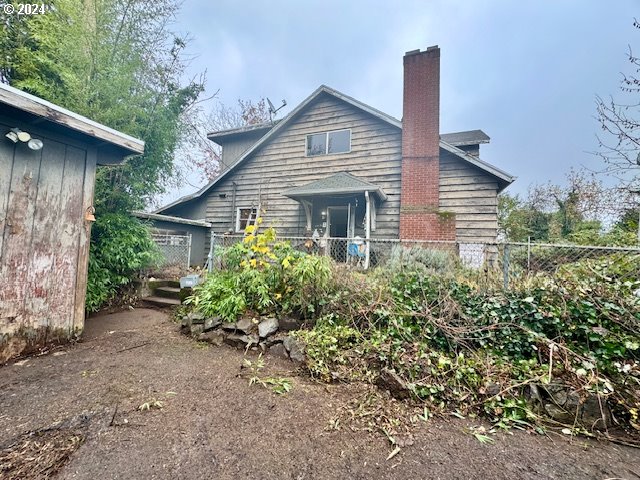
{"points": [[420, 216]]}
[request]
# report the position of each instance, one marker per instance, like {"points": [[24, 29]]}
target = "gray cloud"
{"points": [[525, 72]]}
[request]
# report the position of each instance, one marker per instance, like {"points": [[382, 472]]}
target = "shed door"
{"points": [[41, 234]]}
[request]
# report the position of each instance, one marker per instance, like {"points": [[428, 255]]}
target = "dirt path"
{"points": [[217, 426]]}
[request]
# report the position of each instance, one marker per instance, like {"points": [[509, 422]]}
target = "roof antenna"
{"points": [[273, 110]]}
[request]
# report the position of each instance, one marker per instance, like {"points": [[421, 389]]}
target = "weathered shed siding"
{"points": [[44, 239], [472, 195], [282, 164]]}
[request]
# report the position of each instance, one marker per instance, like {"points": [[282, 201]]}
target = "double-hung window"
{"points": [[329, 143], [243, 216]]}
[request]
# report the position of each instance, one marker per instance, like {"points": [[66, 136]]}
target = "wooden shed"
{"points": [[48, 158]]}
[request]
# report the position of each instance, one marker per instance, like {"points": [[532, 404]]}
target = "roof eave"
{"points": [[232, 132], [170, 219], [338, 191], [487, 167], [56, 114]]}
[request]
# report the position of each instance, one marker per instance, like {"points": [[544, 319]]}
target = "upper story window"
{"points": [[328, 143]]}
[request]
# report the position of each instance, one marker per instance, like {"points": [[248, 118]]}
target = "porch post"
{"points": [[367, 229], [307, 211]]}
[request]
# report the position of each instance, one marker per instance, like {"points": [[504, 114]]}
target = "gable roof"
{"points": [[23, 101], [504, 178], [341, 182]]}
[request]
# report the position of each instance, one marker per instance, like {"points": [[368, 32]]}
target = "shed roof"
{"points": [[339, 183], [117, 142], [470, 137], [167, 218], [221, 136]]}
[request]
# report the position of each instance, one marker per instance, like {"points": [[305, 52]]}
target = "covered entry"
{"points": [[340, 209]]}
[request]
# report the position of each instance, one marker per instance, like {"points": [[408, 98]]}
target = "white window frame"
{"points": [[253, 209], [326, 142]]}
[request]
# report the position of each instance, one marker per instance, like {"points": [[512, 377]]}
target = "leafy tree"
{"points": [[576, 211], [518, 220], [198, 153], [114, 61], [117, 62]]}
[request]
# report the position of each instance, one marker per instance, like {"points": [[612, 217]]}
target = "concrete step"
{"points": [[161, 301], [153, 284], [167, 292]]}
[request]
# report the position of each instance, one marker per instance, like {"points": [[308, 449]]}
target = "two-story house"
{"points": [[337, 167]]}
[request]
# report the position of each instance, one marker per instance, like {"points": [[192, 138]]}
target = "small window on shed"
{"points": [[338, 141], [245, 216]]}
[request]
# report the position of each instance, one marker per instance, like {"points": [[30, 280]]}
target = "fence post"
{"points": [[529, 254], [210, 254], [505, 266]]}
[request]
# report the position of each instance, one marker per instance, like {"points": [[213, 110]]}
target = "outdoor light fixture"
{"points": [[34, 144], [16, 135], [12, 135]]}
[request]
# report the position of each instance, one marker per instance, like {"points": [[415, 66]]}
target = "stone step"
{"points": [[161, 301], [167, 292]]}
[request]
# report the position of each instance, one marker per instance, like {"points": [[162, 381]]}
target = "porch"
{"points": [[340, 213]]}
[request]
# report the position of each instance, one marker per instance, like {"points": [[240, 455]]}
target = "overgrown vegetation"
{"points": [[265, 276], [121, 247], [581, 211], [456, 347], [118, 63]]}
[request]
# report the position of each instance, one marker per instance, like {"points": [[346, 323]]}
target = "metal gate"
{"points": [[175, 249]]}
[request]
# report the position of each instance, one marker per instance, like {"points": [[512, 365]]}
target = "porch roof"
{"points": [[339, 183]]}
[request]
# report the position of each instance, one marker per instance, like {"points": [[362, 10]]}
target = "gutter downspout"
{"points": [[234, 185]]}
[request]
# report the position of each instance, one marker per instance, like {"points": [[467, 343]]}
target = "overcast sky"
{"points": [[525, 72]]}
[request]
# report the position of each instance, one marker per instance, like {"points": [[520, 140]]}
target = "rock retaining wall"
{"points": [[261, 334]]}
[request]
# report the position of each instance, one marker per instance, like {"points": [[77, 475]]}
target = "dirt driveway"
{"points": [[212, 424]]}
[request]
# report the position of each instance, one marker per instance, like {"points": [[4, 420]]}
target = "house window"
{"points": [[244, 216], [329, 143]]}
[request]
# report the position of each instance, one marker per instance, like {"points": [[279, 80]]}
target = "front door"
{"points": [[338, 218], [338, 228]]}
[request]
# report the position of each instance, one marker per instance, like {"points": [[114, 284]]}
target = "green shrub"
{"points": [[221, 295], [420, 258], [306, 285], [265, 276], [120, 247]]}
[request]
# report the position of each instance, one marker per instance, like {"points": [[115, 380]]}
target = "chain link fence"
{"points": [[175, 249], [506, 261], [522, 259]]}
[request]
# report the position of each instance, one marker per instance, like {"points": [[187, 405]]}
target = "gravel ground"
{"points": [[213, 424]]}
